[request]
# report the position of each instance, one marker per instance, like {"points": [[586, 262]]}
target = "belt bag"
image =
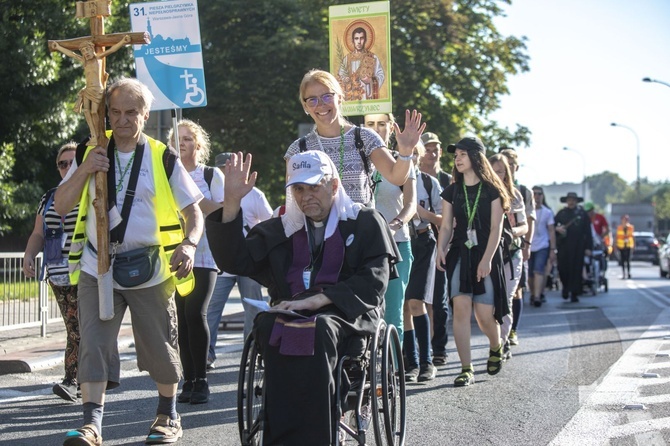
{"points": [[133, 268]]}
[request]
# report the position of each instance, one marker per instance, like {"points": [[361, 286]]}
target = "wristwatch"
{"points": [[190, 241]]}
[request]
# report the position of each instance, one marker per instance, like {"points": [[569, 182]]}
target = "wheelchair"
{"points": [[376, 395]]}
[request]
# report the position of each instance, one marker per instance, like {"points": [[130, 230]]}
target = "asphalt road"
{"points": [[592, 373]]}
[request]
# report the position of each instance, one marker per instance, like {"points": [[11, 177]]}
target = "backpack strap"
{"points": [[81, 151], [169, 160], [361, 150], [51, 193], [302, 142], [208, 173], [428, 185]]}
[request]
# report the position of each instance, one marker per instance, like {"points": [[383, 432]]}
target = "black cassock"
{"points": [[571, 247], [300, 390]]}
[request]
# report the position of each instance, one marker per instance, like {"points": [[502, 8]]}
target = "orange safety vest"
{"points": [[624, 236]]}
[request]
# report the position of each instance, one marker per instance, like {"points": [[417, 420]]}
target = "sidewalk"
{"points": [[24, 350]]}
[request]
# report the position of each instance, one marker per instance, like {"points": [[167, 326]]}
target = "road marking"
{"points": [[602, 418]]}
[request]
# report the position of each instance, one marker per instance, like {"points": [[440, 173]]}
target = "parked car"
{"points": [[664, 258], [646, 247]]}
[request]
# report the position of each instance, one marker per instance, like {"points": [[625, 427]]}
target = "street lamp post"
{"points": [[648, 79], [583, 170], [637, 141]]}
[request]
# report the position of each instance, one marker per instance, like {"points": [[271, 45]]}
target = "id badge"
{"points": [[472, 238], [306, 278]]}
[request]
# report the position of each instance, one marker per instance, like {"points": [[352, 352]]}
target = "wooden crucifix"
{"points": [[92, 97]]}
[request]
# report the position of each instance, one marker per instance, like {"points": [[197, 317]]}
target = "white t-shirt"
{"points": [[141, 229], [389, 202], [422, 199], [203, 255], [544, 218], [255, 209]]}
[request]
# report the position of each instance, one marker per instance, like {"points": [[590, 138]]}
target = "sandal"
{"points": [[495, 361], [466, 378]]}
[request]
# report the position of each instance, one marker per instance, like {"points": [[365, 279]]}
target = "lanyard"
{"points": [[125, 171], [318, 139], [471, 211]]}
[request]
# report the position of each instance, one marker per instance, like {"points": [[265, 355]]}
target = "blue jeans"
{"points": [[248, 288]]}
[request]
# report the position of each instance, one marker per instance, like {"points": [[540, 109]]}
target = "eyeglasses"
{"points": [[64, 164], [326, 99]]}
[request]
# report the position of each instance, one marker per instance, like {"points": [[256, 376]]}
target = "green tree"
{"points": [[448, 61], [607, 187], [39, 90]]}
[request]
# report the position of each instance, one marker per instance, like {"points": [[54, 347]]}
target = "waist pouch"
{"points": [[133, 268], [53, 245]]}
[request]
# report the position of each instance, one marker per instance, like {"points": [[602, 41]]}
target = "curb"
{"points": [[49, 355]]}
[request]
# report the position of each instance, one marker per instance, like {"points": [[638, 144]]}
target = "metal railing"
{"points": [[24, 302]]}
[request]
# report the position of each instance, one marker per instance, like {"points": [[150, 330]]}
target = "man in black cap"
{"points": [[439, 310], [574, 240]]}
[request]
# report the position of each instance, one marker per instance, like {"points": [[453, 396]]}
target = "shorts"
{"points": [[422, 274], [455, 283], [154, 318], [538, 261]]}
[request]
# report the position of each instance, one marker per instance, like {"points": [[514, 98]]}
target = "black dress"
{"points": [[469, 258]]}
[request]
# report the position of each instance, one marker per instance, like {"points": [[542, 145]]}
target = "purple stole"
{"points": [[333, 258]]}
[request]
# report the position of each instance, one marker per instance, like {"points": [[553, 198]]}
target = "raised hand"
{"points": [[238, 182], [409, 137]]}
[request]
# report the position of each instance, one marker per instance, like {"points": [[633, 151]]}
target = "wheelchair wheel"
{"points": [[387, 384], [250, 392]]}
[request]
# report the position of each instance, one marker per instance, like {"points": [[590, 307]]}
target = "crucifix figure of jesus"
{"points": [[92, 98], [92, 94]]}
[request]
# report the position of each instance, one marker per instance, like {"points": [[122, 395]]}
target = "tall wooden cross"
{"points": [[92, 97]]}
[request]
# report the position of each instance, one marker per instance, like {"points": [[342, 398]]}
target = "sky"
{"points": [[587, 61]]}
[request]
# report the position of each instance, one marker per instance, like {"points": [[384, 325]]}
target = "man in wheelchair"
{"points": [[327, 260]]}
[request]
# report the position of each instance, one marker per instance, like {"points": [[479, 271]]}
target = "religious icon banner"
{"points": [[360, 56], [171, 66]]}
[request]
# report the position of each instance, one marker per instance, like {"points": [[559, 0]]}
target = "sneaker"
{"points": [[200, 393], [574, 298], [67, 390], [507, 351], [427, 373], [412, 374], [186, 391], [84, 436], [164, 430], [543, 298], [513, 339], [439, 359], [210, 363]]}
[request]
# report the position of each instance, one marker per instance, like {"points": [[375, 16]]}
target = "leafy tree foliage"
{"points": [[607, 187], [448, 61]]}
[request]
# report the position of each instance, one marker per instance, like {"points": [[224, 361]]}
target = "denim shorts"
{"points": [[538, 260]]}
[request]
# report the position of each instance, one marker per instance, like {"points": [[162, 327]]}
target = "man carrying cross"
{"points": [[136, 171]]}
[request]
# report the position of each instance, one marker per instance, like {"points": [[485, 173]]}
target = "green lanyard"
{"points": [[125, 171], [471, 211]]}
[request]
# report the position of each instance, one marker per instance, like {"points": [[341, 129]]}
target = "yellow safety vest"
{"points": [[167, 215], [625, 240]]}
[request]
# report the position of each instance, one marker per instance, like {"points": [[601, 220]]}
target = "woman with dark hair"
{"points": [[321, 97], [476, 201], [52, 229]]}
